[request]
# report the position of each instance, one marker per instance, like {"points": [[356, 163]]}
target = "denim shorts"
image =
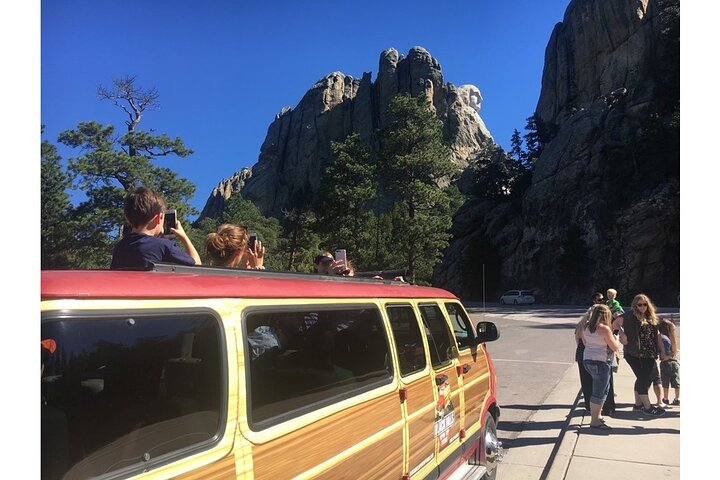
{"points": [[600, 373]]}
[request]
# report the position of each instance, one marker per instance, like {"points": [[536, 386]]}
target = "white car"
{"points": [[517, 297]]}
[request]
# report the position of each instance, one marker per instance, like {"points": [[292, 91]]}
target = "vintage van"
{"points": [[197, 372]]}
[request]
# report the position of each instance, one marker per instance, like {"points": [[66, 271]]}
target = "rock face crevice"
{"points": [[601, 211], [297, 147]]}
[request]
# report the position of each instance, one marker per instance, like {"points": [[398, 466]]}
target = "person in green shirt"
{"points": [[613, 303], [616, 309]]}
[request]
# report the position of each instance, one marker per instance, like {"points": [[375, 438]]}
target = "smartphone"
{"points": [[341, 256], [170, 222], [251, 240]]}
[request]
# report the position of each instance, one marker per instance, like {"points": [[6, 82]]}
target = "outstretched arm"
{"points": [[180, 232]]}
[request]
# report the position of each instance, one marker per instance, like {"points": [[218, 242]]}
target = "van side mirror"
{"points": [[486, 332]]}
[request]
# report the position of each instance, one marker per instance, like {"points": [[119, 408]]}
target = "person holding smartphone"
{"points": [[326, 264], [144, 245], [231, 246]]}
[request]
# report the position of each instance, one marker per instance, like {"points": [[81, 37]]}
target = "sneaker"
{"points": [[654, 411], [666, 401], [637, 408], [676, 401]]}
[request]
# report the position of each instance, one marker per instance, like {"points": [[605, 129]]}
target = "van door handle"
{"points": [[440, 379], [403, 394], [461, 369]]}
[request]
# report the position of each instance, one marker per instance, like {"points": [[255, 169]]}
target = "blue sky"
{"points": [[225, 68]]}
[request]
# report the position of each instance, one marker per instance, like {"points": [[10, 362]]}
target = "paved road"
{"points": [[536, 347]]}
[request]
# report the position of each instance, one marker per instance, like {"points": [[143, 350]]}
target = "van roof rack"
{"points": [[237, 272]]}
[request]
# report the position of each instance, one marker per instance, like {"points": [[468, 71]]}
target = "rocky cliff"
{"points": [[296, 149], [603, 209]]}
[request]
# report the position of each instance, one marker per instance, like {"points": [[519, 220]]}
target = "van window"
{"points": [[408, 339], [462, 327], [526, 293], [122, 393], [303, 358], [442, 345]]}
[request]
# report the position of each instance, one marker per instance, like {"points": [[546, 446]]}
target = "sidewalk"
{"points": [[558, 444]]}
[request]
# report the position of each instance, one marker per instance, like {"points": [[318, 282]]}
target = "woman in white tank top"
{"points": [[600, 345]]}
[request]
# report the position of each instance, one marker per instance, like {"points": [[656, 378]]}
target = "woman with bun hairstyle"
{"points": [[641, 339], [227, 247]]}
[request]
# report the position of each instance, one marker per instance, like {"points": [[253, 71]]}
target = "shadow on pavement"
{"points": [[553, 326], [587, 430], [526, 426], [631, 415], [548, 406], [526, 442]]}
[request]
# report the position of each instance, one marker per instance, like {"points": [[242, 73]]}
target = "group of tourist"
{"points": [[604, 334], [229, 245]]}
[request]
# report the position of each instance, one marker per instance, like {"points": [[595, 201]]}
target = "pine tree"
{"points": [[416, 162], [538, 135], [347, 191], [57, 241], [110, 166], [516, 148]]}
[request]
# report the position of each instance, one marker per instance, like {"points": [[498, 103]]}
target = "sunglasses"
{"points": [[642, 304]]}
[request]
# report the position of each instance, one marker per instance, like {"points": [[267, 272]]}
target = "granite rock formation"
{"points": [[603, 209], [222, 193], [297, 148]]}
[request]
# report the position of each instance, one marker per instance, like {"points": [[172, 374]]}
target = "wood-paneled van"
{"points": [[195, 372]]}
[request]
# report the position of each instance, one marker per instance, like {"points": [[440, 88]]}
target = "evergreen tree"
{"points": [[110, 166], [415, 163], [344, 217], [493, 173], [57, 242], [300, 243], [499, 175], [532, 138], [538, 135], [516, 148]]}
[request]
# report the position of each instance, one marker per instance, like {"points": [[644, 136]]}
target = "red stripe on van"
{"points": [[85, 284]]}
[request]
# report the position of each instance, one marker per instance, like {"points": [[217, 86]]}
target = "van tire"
{"points": [[492, 448]]}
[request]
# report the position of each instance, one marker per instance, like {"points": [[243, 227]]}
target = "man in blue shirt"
{"points": [[145, 212]]}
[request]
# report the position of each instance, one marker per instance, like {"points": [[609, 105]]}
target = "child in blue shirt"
{"points": [[145, 213]]}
